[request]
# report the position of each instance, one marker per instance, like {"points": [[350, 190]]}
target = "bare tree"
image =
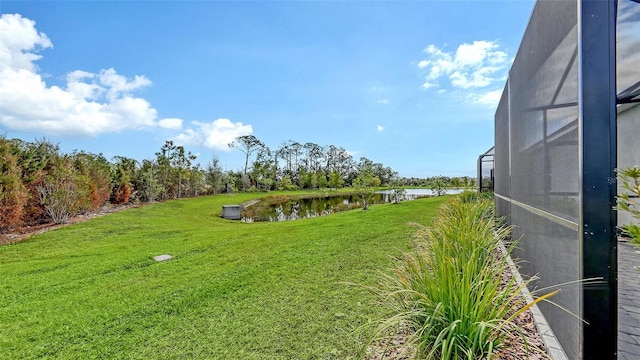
{"points": [[315, 156], [248, 144], [296, 151], [59, 195], [332, 154], [284, 153]]}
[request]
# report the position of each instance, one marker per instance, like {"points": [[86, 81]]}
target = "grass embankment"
{"points": [[233, 290]]}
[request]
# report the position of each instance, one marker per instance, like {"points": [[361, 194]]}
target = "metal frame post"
{"points": [[597, 124]]}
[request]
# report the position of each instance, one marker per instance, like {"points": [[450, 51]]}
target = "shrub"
{"points": [[60, 194], [630, 178], [365, 185], [13, 193], [449, 295], [95, 170], [473, 196], [335, 180], [438, 186], [149, 188], [34, 212], [13, 198], [121, 192]]}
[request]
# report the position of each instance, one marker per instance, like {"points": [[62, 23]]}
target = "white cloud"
{"points": [[380, 128], [88, 105], [170, 123], [491, 98], [19, 41], [384, 102], [215, 135], [189, 137], [427, 85], [474, 65], [118, 84]]}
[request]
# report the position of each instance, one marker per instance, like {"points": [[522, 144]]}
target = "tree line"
{"points": [[39, 184], [294, 165]]}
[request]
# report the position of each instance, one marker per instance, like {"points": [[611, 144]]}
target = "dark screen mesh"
{"points": [[502, 145], [537, 159], [628, 45], [555, 141]]}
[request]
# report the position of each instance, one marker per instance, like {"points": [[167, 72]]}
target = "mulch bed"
{"points": [[524, 343], [527, 345]]}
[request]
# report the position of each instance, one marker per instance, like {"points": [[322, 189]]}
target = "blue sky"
{"points": [[410, 84]]}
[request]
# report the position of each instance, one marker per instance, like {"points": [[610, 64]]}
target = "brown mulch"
{"points": [[26, 232], [526, 344]]}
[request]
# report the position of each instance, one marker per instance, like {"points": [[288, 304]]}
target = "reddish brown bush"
{"points": [[13, 194], [122, 194], [33, 210], [13, 198]]}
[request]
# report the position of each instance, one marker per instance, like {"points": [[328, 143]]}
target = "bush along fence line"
{"points": [[628, 201], [453, 296]]}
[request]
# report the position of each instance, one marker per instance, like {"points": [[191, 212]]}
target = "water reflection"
{"points": [[283, 208]]}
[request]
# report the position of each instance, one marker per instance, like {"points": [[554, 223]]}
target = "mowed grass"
{"points": [[232, 291]]}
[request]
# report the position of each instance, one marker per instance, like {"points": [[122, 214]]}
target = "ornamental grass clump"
{"points": [[448, 296], [627, 201]]}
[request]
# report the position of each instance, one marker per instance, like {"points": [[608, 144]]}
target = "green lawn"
{"points": [[232, 291]]}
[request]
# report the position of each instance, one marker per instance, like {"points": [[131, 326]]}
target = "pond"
{"points": [[283, 208]]}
